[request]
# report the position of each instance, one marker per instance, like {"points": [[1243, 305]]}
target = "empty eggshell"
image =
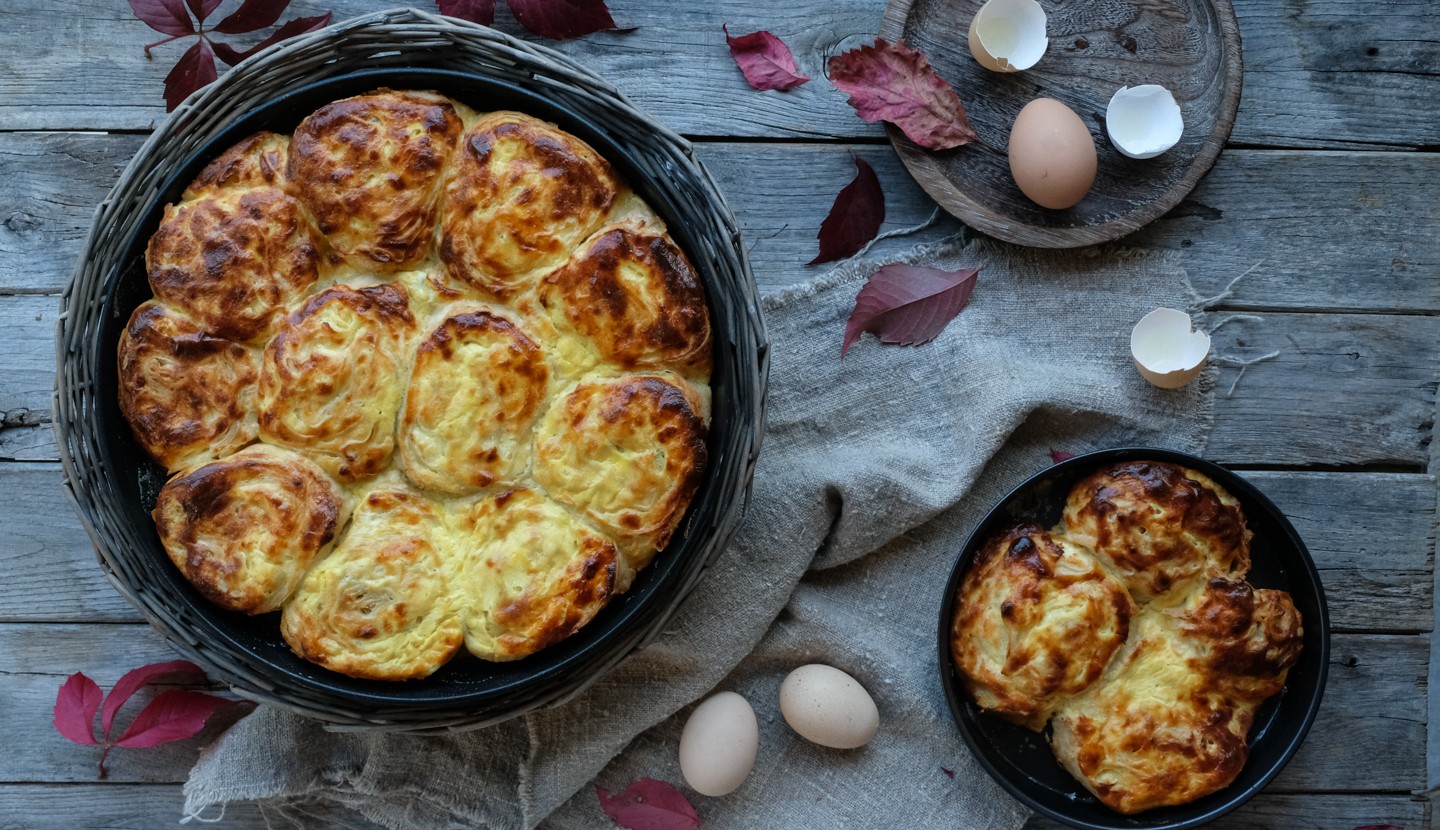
{"points": [[1008, 35], [1167, 350], [1143, 121], [828, 707], [718, 746]]}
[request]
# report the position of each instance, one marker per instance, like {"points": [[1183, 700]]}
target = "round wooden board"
{"points": [[1192, 47]]}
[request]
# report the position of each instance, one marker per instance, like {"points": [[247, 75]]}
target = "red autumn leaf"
{"points": [[949, 773], [174, 714], [854, 219], [252, 16], [892, 82], [908, 304], [164, 16], [475, 11], [1056, 456], [195, 69], [134, 679], [291, 28], [202, 8], [649, 805], [75, 707], [564, 19], [765, 60]]}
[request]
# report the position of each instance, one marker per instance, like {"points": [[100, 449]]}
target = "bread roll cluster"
{"points": [[423, 377], [1131, 631]]}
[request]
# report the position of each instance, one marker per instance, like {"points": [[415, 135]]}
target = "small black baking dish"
{"points": [[1022, 761], [113, 483]]}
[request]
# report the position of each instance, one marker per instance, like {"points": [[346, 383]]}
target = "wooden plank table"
{"points": [[1331, 185]]}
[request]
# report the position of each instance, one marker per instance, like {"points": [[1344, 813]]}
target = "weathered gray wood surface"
{"points": [[1321, 192]]}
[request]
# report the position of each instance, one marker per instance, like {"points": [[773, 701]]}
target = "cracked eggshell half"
{"points": [[1143, 121], [1167, 350], [1008, 35]]}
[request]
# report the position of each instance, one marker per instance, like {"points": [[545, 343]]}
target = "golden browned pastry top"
{"points": [[370, 169], [244, 530], [1160, 714], [522, 196], [187, 395], [627, 452], [234, 259], [529, 574], [257, 161], [1038, 620], [331, 380], [380, 606], [353, 314], [1161, 528], [634, 298], [476, 389]]}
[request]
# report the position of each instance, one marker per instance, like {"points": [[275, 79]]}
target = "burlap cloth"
{"points": [[874, 469]]}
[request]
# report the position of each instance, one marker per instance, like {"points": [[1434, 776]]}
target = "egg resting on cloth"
{"points": [[463, 324], [1155, 712]]}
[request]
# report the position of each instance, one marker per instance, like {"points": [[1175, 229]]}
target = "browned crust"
{"points": [[216, 396], [1161, 523], [545, 620], [597, 302], [233, 260], [1022, 566], [558, 178], [258, 160], [335, 151], [202, 498]]}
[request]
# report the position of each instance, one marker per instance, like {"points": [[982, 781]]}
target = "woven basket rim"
{"points": [[79, 328]]}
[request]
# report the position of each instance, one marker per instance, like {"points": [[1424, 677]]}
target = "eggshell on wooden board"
{"points": [[1052, 155], [719, 744], [828, 707]]}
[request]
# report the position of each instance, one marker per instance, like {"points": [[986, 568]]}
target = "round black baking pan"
{"points": [[255, 658], [1022, 761]]}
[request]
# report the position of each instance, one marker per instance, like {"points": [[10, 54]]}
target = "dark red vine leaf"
{"points": [[291, 28], [195, 69], [892, 82], [949, 773], [1056, 456], [202, 8], [649, 804], [564, 19], [764, 60], [75, 707], [908, 304], [251, 16], [174, 715], [165, 16], [854, 219], [475, 11], [133, 680]]}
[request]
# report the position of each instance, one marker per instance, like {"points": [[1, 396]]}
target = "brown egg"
{"points": [[1052, 155]]}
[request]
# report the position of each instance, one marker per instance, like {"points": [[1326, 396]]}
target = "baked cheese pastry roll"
{"points": [[188, 396], [256, 161], [371, 167], [1167, 724], [244, 529], [1037, 619], [634, 299], [234, 259], [529, 574], [1161, 528], [476, 390], [522, 195], [1245, 639], [378, 607], [628, 452], [331, 380]]}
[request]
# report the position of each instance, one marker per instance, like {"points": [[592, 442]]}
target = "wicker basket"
{"points": [[112, 489]]}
